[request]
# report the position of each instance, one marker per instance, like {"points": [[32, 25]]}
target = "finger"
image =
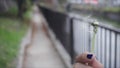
{"points": [[96, 64], [79, 65], [85, 58], [89, 59]]}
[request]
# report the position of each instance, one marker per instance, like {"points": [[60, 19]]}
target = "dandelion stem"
{"points": [[95, 25], [93, 43]]}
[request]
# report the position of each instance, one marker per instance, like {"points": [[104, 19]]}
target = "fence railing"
{"points": [[107, 41], [76, 34]]}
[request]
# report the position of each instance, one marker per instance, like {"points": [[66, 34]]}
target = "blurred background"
{"points": [[72, 24]]}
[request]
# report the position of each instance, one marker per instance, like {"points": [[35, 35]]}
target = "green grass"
{"points": [[11, 34]]}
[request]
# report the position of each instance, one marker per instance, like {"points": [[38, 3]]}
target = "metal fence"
{"points": [[77, 37], [107, 42]]}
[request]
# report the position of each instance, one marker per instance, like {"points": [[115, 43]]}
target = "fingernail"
{"points": [[89, 56]]}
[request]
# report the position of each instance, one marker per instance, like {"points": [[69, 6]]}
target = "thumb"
{"points": [[96, 64]]}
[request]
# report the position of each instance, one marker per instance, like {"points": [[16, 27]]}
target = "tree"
{"points": [[21, 7]]}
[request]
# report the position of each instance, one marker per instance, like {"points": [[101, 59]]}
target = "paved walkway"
{"points": [[40, 53]]}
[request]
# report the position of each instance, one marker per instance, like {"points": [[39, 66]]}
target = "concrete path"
{"points": [[40, 53]]}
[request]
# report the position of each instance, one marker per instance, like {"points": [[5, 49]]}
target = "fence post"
{"points": [[89, 35], [71, 41]]}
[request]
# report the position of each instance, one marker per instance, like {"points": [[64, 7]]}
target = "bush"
{"points": [[12, 12]]}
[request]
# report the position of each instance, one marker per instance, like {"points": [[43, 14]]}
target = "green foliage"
{"points": [[62, 1], [10, 37], [28, 3], [28, 14], [112, 9], [95, 8], [13, 11]]}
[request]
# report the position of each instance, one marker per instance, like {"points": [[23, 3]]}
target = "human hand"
{"points": [[87, 60]]}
